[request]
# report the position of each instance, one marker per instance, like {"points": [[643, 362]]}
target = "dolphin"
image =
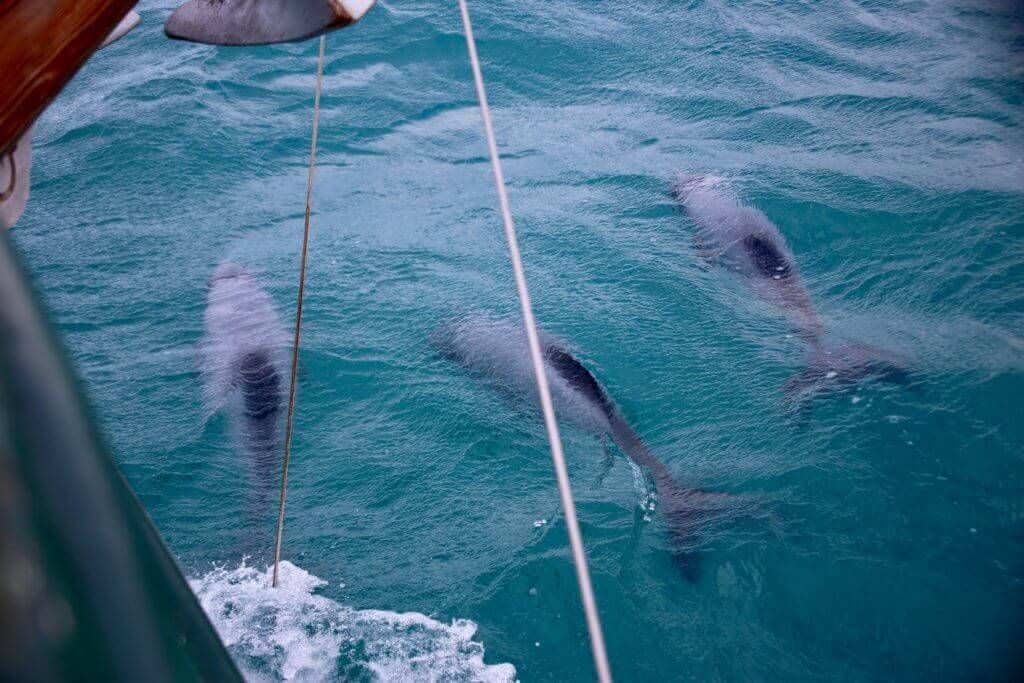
{"points": [[261, 22], [742, 240], [242, 360], [499, 350]]}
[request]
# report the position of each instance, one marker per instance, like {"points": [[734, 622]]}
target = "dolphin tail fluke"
{"points": [[683, 516], [261, 22], [830, 369], [683, 508]]}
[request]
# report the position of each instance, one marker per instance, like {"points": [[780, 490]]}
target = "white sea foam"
{"points": [[292, 633]]}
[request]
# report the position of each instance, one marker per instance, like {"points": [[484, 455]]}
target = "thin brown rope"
{"points": [[298, 314]]}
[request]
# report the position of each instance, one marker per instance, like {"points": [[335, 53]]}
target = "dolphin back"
{"points": [[261, 385], [262, 401], [578, 377]]}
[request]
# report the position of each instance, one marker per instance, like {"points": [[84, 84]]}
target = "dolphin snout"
{"points": [[225, 270], [442, 339], [684, 183]]}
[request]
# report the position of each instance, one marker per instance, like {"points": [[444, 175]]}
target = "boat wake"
{"points": [[292, 633]]}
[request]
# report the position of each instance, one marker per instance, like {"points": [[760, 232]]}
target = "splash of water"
{"points": [[647, 496], [292, 633]]}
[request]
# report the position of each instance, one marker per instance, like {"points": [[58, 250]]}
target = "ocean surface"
{"points": [[881, 532]]}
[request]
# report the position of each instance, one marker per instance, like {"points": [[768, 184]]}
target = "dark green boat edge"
{"points": [[88, 589]]}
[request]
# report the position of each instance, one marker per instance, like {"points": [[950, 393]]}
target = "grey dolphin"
{"points": [[261, 22], [742, 240], [499, 350], [242, 361]]}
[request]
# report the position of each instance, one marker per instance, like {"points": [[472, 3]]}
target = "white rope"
{"points": [[298, 313], [557, 456]]}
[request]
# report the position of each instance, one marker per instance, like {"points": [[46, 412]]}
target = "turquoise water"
{"points": [[884, 139]]}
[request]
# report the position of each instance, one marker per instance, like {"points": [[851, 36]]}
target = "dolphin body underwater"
{"points": [[242, 357], [742, 240], [499, 350]]}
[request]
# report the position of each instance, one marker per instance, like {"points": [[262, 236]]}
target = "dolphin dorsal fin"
{"points": [[578, 377]]}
